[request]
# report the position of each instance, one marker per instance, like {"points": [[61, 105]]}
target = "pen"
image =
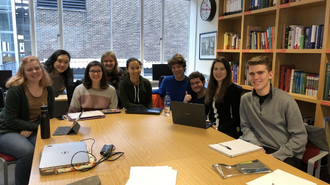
{"points": [[225, 146]]}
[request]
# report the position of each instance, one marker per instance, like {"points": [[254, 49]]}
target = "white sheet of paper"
{"points": [[160, 175], [279, 177]]}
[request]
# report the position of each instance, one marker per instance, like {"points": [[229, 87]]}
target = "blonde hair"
{"points": [[112, 54], [20, 77]]}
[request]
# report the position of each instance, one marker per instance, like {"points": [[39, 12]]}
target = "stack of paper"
{"points": [[160, 175], [235, 147], [280, 177]]}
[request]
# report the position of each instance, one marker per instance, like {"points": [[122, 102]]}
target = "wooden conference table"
{"points": [[152, 140]]}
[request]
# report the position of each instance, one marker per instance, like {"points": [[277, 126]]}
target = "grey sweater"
{"points": [[277, 123]]}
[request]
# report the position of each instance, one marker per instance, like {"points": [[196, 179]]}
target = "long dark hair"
{"points": [[67, 74], [88, 81], [213, 84]]}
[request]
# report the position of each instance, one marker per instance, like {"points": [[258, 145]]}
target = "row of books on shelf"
{"points": [[259, 4], [257, 39], [234, 70], [301, 37], [231, 41], [326, 95], [232, 6], [295, 80]]}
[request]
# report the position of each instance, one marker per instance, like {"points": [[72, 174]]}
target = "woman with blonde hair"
{"points": [[114, 73], [28, 90]]}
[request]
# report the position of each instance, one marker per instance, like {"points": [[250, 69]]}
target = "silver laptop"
{"points": [[190, 114], [56, 156]]}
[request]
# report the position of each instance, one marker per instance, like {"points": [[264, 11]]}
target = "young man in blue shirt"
{"points": [[177, 84], [270, 117], [197, 84]]}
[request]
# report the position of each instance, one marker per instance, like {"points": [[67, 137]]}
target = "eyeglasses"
{"points": [[95, 72]]}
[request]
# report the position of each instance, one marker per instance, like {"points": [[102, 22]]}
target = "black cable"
{"points": [[105, 157]]}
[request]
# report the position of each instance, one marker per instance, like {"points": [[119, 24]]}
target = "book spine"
{"points": [[288, 80], [297, 82], [283, 36], [321, 36], [302, 38], [294, 82], [317, 37], [293, 36], [290, 39], [308, 84], [316, 85], [313, 34], [302, 86], [266, 40], [304, 83], [327, 83], [306, 38], [297, 38]]}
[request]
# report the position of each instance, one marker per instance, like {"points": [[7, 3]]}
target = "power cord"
{"points": [[106, 155]]}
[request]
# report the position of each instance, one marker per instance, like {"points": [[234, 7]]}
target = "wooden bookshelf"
{"points": [[304, 13]]}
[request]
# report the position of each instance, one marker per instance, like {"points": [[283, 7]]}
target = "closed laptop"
{"points": [[56, 156], [190, 114], [144, 110]]}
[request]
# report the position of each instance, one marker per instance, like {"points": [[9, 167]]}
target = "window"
{"points": [[14, 33], [150, 30], [67, 4]]}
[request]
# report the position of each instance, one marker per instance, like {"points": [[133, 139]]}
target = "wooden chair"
{"points": [[6, 161]]}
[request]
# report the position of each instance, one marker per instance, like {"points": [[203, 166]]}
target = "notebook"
{"points": [[86, 115], [144, 110], [235, 147], [190, 114], [56, 156]]}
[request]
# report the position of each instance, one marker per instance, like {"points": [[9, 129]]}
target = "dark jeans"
{"points": [[22, 148], [293, 161]]}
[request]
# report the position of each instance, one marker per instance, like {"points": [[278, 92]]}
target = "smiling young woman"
{"points": [[135, 91], [223, 97], [59, 70], [28, 90], [95, 93], [114, 73]]}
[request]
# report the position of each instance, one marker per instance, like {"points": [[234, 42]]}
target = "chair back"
{"points": [[161, 80], [157, 101], [310, 152]]}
